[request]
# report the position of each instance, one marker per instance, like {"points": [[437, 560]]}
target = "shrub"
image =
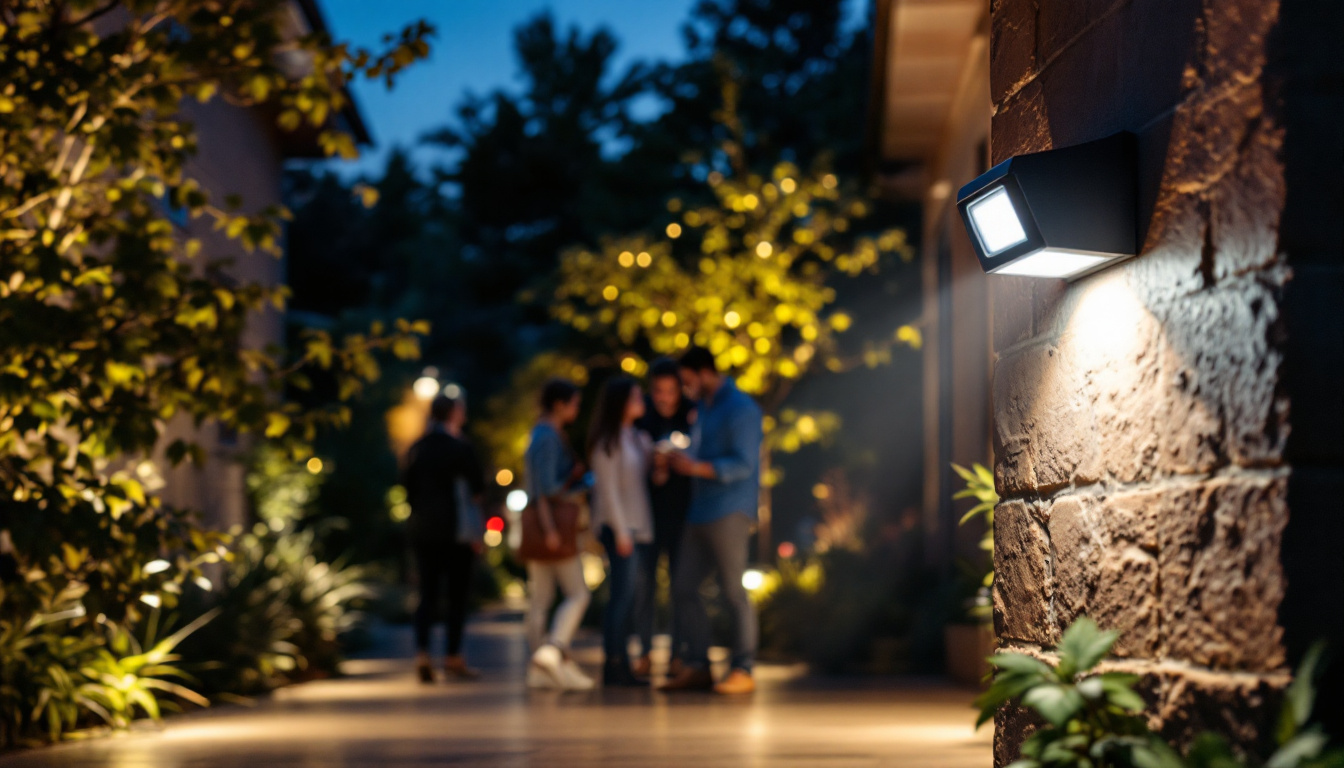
{"points": [[1094, 720]]}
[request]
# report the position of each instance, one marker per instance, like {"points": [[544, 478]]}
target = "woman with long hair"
{"points": [[619, 455], [553, 478]]}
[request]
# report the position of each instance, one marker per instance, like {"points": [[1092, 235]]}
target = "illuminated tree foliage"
{"points": [[752, 278], [111, 323]]}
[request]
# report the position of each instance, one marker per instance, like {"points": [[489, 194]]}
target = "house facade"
{"points": [[1165, 433], [241, 152]]}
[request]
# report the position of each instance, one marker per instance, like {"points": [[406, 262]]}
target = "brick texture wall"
{"points": [[1169, 435]]}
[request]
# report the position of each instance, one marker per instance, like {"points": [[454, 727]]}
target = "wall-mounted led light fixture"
{"points": [[1062, 213]]}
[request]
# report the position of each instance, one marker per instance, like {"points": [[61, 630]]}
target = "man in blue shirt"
{"points": [[724, 464]]}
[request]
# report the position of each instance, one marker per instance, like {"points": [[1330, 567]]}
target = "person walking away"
{"points": [[723, 463], [619, 454], [667, 422], [551, 475], [438, 467]]}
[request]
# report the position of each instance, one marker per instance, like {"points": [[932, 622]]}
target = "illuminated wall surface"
{"points": [[1168, 433]]}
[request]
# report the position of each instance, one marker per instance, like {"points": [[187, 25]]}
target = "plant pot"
{"points": [[967, 646]]}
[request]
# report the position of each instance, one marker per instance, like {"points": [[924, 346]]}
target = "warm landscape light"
{"points": [[1063, 213]]}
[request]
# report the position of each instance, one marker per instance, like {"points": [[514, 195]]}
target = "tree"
{"points": [[752, 278], [111, 324]]}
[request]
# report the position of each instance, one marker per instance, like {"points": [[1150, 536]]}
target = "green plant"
{"points": [[979, 486], [1094, 720], [116, 321], [122, 677], [281, 614]]}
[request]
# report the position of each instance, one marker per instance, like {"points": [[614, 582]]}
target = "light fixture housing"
{"points": [[1063, 213]]}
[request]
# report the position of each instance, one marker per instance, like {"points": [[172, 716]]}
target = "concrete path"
{"points": [[380, 717]]}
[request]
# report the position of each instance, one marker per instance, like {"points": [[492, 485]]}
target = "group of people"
{"points": [[672, 472]]}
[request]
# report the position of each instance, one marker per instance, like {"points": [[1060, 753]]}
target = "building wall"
{"points": [[1167, 432], [239, 155], [956, 316]]}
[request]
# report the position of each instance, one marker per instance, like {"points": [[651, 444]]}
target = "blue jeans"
{"points": [[618, 619]]}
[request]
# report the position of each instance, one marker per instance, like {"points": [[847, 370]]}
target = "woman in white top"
{"points": [[619, 455]]}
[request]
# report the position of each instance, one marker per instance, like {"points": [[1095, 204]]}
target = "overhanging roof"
{"points": [[921, 49], [302, 143]]}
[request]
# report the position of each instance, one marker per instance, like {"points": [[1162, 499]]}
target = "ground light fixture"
{"points": [[1063, 213]]}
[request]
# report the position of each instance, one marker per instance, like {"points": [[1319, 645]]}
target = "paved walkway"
{"points": [[380, 717]]}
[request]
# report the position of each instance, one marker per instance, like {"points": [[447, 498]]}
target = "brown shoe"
{"points": [[456, 667], [689, 679], [737, 682]]}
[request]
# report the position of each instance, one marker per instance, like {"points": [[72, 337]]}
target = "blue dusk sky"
{"points": [[473, 51]]}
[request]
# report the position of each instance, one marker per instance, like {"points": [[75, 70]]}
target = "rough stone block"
{"points": [[1247, 202], [1022, 583], [1012, 45], [1105, 567], [1120, 73], [1012, 310], [1226, 351], [1242, 708], [1043, 435], [1013, 724], [1221, 579]]}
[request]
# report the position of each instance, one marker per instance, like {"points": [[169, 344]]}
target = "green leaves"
{"points": [[1094, 720], [1081, 647], [110, 334]]}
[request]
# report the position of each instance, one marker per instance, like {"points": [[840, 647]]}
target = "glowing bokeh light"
{"points": [[495, 523], [516, 501], [425, 387], [786, 549], [314, 465], [504, 477], [752, 579]]}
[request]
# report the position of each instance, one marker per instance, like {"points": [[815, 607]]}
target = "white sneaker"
{"points": [[548, 664], [538, 678], [573, 678]]}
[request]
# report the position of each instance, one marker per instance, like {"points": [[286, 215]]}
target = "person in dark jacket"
{"points": [[442, 475], [667, 421]]}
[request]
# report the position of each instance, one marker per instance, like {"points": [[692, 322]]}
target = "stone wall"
{"points": [[1169, 436]]}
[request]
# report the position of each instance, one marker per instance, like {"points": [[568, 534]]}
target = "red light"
{"points": [[495, 524], [786, 549]]}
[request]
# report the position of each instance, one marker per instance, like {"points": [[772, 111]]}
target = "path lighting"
{"points": [[752, 579], [516, 501], [1063, 213]]}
